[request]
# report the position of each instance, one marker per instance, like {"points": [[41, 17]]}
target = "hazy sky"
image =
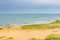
{"points": [[29, 6]]}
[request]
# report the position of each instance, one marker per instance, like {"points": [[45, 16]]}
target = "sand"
{"points": [[19, 34]]}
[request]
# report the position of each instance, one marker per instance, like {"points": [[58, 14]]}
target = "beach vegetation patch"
{"points": [[1, 28], [34, 39], [9, 38], [53, 37], [57, 21], [42, 26]]}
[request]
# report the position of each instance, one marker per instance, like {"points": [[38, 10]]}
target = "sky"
{"points": [[29, 6]]}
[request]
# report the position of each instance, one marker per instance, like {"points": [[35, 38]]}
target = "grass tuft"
{"points": [[53, 37]]}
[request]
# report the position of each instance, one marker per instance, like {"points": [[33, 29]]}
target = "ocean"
{"points": [[22, 19]]}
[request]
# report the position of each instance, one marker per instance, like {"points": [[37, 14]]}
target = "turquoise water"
{"points": [[20, 19]]}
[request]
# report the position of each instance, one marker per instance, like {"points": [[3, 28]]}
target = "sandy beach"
{"points": [[19, 34]]}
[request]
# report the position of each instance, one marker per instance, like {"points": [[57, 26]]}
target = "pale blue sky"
{"points": [[29, 6]]}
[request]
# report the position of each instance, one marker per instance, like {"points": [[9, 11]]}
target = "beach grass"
{"points": [[40, 26], [53, 37], [57, 21], [6, 38], [1, 28], [34, 26], [34, 39], [43, 26], [9, 38]]}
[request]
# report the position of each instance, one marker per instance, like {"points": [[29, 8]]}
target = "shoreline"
{"points": [[36, 22], [30, 32]]}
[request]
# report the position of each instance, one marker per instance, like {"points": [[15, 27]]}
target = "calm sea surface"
{"points": [[20, 19]]}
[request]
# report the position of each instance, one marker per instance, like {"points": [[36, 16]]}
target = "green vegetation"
{"points": [[9, 38], [1, 28], [57, 21], [34, 26], [53, 37], [49, 37], [34, 39], [39, 26], [6, 38], [42, 26]]}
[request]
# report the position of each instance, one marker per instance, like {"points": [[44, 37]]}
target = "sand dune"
{"points": [[19, 34]]}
